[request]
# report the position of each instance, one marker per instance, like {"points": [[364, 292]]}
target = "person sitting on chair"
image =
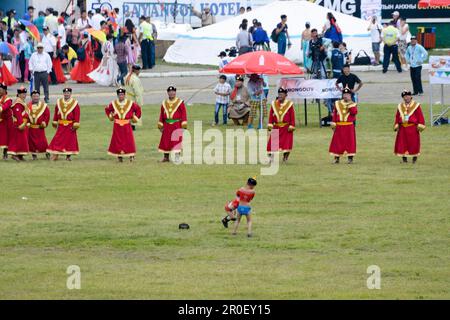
{"points": [[239, 109]]}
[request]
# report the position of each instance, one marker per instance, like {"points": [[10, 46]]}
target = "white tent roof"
{"points": [[170, 31], [201, 46]]}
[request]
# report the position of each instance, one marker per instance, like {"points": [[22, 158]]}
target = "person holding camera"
{"points": [[318, 54]]}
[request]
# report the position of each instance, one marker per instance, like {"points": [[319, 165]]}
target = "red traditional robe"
{"points": [[39, 117], [18, 141], [6, 77], [344, 137], [67, 120], [5, 121], [82, 68], [282, 126], [409, 122], [57, 67], [122, 140], [172, 117]]}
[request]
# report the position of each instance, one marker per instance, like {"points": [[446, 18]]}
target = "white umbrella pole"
{"points": [[261, 111]]}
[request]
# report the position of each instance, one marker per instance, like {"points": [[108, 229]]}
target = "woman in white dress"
{"points": [[108, 70]]}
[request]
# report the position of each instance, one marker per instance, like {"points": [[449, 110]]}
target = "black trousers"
{"points": [[388, 51], [416, 78], [146, 53], [22, 65], [41, 78]]}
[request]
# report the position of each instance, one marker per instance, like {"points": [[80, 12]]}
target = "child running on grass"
{"points": [[245, 195]]}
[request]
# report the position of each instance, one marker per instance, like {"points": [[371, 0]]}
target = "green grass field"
{"points": [[317, 226]]}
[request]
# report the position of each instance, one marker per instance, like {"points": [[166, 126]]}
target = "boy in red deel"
{"points": [[39, 117], [172, 117], [66, 121], [245, 195], [409, 122], [6, 120], [18, 140], [282, 126], [123, 113], [344, 136]]}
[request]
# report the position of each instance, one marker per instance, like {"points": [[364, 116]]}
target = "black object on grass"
{"points": [[183, 226]]}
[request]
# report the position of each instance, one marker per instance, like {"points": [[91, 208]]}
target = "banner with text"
{"points": [[180, 12], [409, 9], [300, 88], [365, 9], [175, 11], [439, 72]]}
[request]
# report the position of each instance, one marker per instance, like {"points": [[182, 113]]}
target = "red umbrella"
{"points": [[433, 3], [261, 62]]}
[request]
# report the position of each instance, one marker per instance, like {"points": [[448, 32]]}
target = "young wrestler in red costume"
{"points": [[282, 126], [172, 117], [66, 121], [39, 117], [18, 140], [409, 122], [343, 125], [6, 121], [123, 113], [245, 195]]}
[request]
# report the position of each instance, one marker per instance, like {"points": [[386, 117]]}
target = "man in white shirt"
{"points": [[62, 32], [97, 19], [51, 21], [49, 43], [83, 22], [375, 34], [40, 66]]}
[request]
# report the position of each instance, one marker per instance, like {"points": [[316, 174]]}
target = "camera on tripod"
{"points": [[316, 53], [232, 52]]}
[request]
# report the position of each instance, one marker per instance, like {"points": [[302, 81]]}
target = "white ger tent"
{"points": [[201, 46]]}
